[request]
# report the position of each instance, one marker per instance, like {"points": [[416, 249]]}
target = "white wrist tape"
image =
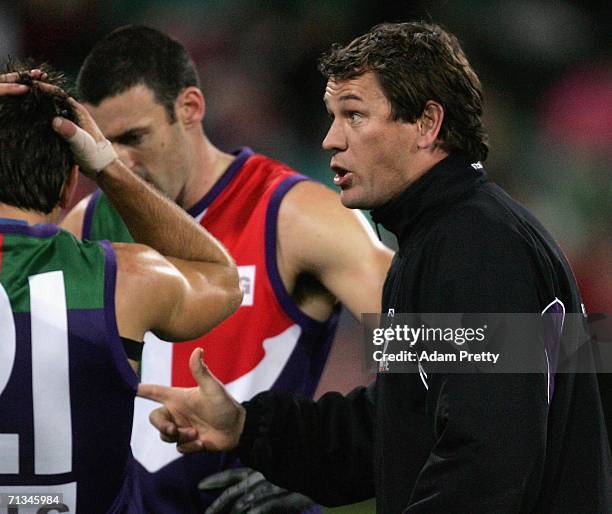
{"points": [[89, 154]]}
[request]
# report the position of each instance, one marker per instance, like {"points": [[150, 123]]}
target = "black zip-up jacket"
{"points": [[487, 443]]}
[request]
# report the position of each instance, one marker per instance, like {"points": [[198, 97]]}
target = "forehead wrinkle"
{"points": [[344, 97], [350, 96]]}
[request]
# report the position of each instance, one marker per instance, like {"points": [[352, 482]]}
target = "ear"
{"points": [[69, 187], [190, 107], [428, 125]]}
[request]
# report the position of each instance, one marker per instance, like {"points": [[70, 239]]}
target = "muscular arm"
{"points": [[145, 273], [183, 288], [176, 299], [321, 237], [187, 282]]}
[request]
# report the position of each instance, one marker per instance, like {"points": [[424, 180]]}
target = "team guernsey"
{"points": [[66, 388], [269, 343]]}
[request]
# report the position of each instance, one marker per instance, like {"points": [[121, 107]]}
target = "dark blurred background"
{"points": [[545, 66]]}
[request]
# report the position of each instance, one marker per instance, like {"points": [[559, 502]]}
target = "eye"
{"points": [[130, 139], [354, 116]]}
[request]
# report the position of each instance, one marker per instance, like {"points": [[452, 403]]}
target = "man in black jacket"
{"points": [[408, 143]]}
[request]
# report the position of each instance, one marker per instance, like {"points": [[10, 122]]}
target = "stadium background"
{"points": [[546, 70]]}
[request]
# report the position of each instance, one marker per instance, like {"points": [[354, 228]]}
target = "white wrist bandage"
{"points": [[90, 155]]}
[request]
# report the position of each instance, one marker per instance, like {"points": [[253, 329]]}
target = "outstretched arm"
{"points": [[204, 417], [323, 449]]}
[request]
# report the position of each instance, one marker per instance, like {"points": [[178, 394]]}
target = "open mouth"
{"points": [[343, 176]]}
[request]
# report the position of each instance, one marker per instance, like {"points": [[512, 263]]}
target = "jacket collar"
{"points": [[448, 180]]}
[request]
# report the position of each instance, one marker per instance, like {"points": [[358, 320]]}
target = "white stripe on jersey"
{"points": [[156, 368]]}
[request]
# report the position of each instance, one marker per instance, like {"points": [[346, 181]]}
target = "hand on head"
{"points": [[198, 418], [91, 149], [9, 86]]}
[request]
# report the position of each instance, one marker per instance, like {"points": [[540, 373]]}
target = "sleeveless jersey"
{"points": [[66, 388], [269, 343]]}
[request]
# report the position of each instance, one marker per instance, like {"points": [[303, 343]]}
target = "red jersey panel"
{"points": [[268, 343]]}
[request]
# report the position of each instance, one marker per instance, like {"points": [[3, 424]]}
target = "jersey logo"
{"points": [[247, 284], [476, 165]]}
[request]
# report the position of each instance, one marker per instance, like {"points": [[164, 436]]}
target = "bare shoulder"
{"points": [[139, 288], [73, 221], [312, 214], [311, 197], [136, 266], [176, 299], [142, 266], [319, 236], [133, 255]]}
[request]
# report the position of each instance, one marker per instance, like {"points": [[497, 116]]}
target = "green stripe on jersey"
{"points": [[83, 265], [107, 224]]}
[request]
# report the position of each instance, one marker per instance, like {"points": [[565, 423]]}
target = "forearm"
{"points": [[157, 222], [323, 449]]}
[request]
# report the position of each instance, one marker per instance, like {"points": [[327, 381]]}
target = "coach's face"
{"points": [[147, 142], [372, 152]]}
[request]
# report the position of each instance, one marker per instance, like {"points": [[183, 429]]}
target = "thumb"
{"points": [[64, 127], [199, 369], [157, 393]]}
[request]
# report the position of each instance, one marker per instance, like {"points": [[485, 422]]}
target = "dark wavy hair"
{"points": [[34, 160], [135, 55], [416, 62]]}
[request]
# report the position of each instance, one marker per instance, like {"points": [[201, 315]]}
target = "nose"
{"points": [[125, 155], [335, 138]]}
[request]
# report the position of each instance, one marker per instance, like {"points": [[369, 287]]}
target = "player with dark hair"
{"points": [[137, 55], [35, 161], [299, 251], [407, 142], [73, 313]]}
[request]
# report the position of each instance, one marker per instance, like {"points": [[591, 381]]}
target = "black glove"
{"points": [[247, 490]]}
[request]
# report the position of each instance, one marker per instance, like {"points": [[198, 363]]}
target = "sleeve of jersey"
{"points": [[323, 449], [489, 429]]}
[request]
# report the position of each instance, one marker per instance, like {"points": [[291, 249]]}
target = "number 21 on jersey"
{"points": [[50, 376]]}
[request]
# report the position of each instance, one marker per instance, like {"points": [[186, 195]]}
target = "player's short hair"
{"points": [[415, 62], [34, 159], [137, 55]]}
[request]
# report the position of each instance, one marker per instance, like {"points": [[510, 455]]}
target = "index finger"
{"points": [[85, 120], [157, 393], [13, 76], [10, 88], [50, 88]]}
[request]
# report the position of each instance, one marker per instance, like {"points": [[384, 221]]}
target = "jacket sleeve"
{"points": [[489, 428], [323, 449]]}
